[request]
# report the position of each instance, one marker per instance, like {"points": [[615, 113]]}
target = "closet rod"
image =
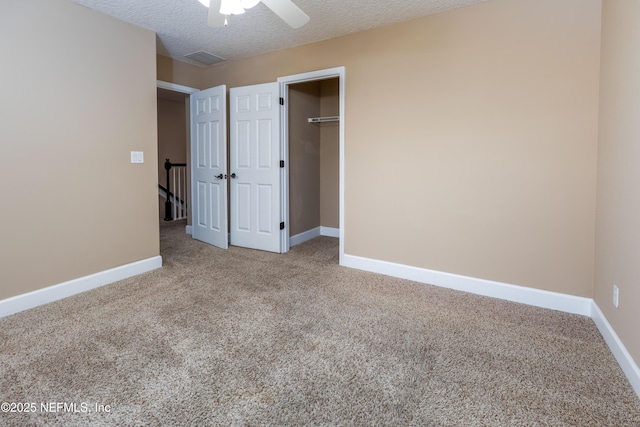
{"points": [[323, 119]]}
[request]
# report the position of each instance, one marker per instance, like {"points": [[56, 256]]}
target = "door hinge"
{"points": [[282, 226], [281, 101], [281, 163]]}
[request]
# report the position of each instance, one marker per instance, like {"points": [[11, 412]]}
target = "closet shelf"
{"points": [[323, 119]]}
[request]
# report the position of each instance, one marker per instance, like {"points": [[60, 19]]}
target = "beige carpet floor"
{"points": [[248, 338]]}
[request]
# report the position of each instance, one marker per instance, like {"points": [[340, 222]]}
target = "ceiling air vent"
{"points": [[204, 57]]}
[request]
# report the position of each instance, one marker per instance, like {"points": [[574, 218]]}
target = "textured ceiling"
{"points": [[181, 25]]}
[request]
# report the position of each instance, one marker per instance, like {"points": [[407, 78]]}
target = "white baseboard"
{"points": [[520, 294], [626, 362], [313, 233], [329, 231], [189, 230], [304, 236], [49, 294]]}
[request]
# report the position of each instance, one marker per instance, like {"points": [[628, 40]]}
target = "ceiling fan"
{"points": [[219, 11]]}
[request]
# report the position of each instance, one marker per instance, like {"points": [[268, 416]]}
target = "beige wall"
{"points": [[78, 95], [618, 209], [470, 143], [330, 155], [179, 72], [471, 138], [304, 158]]}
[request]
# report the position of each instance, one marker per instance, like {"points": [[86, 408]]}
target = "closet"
{"points": [[314, 157]]}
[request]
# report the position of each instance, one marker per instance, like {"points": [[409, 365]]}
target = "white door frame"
{"points": [[329, 73], [175, 87], [160, 84]]}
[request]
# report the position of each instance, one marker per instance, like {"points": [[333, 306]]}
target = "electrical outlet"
{"points": [[616, 296]]}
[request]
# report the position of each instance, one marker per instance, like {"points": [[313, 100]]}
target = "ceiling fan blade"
{"points": [[216, 19], [288, 12]]}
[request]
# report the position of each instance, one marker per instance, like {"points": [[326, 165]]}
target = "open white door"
{"points": [[209, 166], [255, 166]]}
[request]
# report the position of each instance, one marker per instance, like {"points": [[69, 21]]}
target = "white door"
{"points": [[209, 166], [255, 166]]}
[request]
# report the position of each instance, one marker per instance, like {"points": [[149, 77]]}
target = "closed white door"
{"points": [[255, 166], [209, 166]]}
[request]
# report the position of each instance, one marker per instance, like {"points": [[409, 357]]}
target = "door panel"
{"points": [[214, 194], [201, 205], [243, 206], [255, 161], [209, 166], [264, 209], [264, 144], [243, 141]]}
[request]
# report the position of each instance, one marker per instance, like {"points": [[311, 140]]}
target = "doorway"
{"points": [[333, 88], [314, 160], [173, 104]]}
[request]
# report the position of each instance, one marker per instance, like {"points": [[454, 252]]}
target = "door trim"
{"points": [[175, 87], [284, 82], [161, 84]]}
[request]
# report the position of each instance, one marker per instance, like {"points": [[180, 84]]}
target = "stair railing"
{"points": [[175, 205]]}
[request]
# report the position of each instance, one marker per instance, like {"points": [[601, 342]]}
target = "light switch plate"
{"points": [[137, 157]]}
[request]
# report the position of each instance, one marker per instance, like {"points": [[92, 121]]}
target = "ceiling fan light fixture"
{"points": [[231, 7], [220, 10]]}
